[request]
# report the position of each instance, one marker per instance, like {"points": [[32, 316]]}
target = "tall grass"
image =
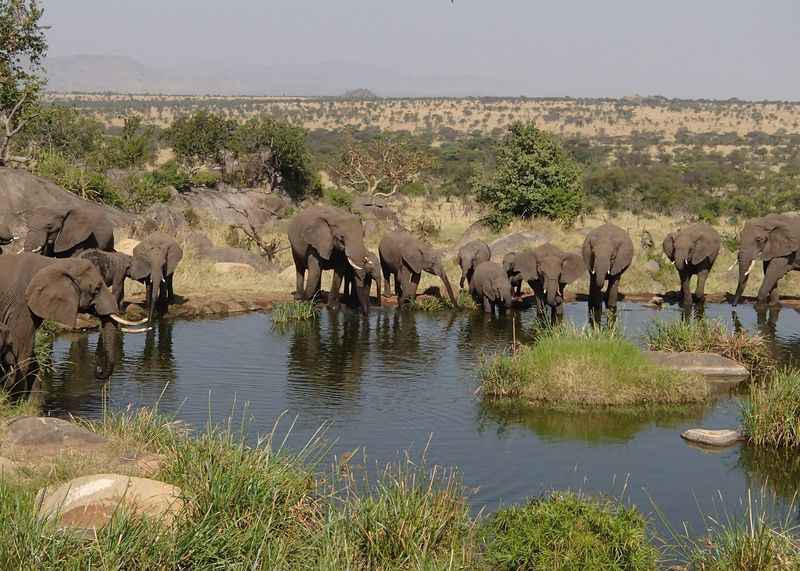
{"points": [[568, 367], [771, 416], [711, 336], [286, 312]]}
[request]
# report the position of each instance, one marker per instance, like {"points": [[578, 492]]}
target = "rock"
{"points": [[261, 207], [719, 438], [126, 246], [375, 207], [8, 468], [228, 255], [516, 242], [652, 266], [198, 242], [159, 218], [233, 268], [32, 438], [84, 505], [708, 365]]}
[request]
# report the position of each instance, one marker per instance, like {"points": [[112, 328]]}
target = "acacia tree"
{"points": [[23, 47], [380, 163]]}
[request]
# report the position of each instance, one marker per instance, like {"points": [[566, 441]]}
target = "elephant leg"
{"points": [[300, 273], [314, 278], [613, 292], [412, 293], [336, 282], [149, 294], [777, 268], [402, 279], [487, 305], [686, 292], [595, 294], [170, 289], [700, 291], [461, 281], [118, 288]]}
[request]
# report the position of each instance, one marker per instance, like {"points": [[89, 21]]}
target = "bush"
{"points": [[339, 198], [171, 174], [568, 368], [534, 177], [205, 179], [85, 182], [142, 191], [200, 138], [771, 416], [134, 147], [63, 131], [568, 531]]}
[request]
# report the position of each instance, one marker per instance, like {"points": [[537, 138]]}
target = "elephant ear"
{"points": [[54, 295], [571, 268], [706, 246], [77, 228], [624, 256], [139, 268], [669, 246], [174, 256], [414, 259], [320, 237], [782, 241]]}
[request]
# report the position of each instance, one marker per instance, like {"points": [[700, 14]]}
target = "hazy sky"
{"points": [[683, 48]]}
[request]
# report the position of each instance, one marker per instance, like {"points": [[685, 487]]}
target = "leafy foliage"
{"points": [[200, 138]]}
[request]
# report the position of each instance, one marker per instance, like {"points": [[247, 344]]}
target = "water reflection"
{"points": [[774, 470]]}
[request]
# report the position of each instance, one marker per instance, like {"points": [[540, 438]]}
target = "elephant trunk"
{"points": [[106, 357], [682, 258], [156, 277], [746, 261], [36, 242], [600, 271], [551, 292], [449, 289], [362, 292], [378, 287]]}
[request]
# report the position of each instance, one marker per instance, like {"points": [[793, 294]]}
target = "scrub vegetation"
{"points": [[771, 416], [285, 312]]}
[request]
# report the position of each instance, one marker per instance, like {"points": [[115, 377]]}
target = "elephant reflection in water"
{"points": [[332, 360]]}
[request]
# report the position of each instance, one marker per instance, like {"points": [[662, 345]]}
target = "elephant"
{"points": [[327, 238], [490, 287], [693, 250], [155, 260], [114, 267], [34, 288], [358, 283], [469, 256], [548, 270], [65, 232], [7, 359], [6, 236], [776, 238], [405, 257], [513, 275], [607, 253]]}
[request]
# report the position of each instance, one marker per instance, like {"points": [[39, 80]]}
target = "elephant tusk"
{"points": [[123, 321], [593, 271], [140, 330], [733, 265], [686, 261], [747, 273], [35, 250], [352, 263]]}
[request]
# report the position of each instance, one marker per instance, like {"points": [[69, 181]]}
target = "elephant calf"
{"points": [[114, 267], [470, 255], [548, 270], [693, 250], [155, 260], [358, 282], [607, 253], [490, 287]]}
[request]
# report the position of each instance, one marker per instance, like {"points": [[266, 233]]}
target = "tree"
{"points": [[379, 164], [23, 47], [200, 139], [134, 147], [534, 177]]}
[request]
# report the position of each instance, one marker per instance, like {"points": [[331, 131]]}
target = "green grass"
{"points": [[43, 344], [711, 336], [285, 312], [432, 304], [771, 416], [567, 531], [567, 368]]}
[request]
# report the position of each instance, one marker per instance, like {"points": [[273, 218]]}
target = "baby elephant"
{"points": [[693, 250], [490, 287], [470, 255], [114, 267], [607, 252], [548, 270]]}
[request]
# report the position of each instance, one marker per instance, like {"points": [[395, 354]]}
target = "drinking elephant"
{"points": [[114, 267], [693, 250], [155, 260], [326, 238], [514, 276], [490, 287], [405, 257], [65, 232], [776, 239], [6, 236], [358, 283], [470, 255], [548, 270], [607, 252], [34, 288]]}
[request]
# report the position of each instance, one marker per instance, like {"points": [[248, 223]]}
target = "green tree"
{"points": [[62, 130], [134, 147], [23, 47], [534, 177], [200, 139]]}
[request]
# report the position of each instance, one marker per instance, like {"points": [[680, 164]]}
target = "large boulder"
{"points": [[261, 207], [516, 242], [30, 437], [84, 505], [374, 207]]}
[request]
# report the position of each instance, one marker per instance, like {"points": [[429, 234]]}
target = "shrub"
{"points": [[205, 179], [171, 174], [294, 311], [134, 147], [86, 183], [200, 138], [339, 198], [534, 177], [567, 367], [771, 416], [568, 531], [425, 227], [142, 191]]}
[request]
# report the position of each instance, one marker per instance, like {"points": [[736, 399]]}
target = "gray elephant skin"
{"points": [[362, 280], [155, 260], [326, 238], [548, 270], [693, 250], [34, 288], [6, 236], [65, 232], [776, 239], [607, 253], [404, 257], [490, 287], [470, 255], [114, 267]]}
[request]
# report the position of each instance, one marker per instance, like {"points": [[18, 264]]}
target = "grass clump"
{"points": [[432, 304], [284, 312], [771, 416], [567, 367], [568, 531], [711, 336]]}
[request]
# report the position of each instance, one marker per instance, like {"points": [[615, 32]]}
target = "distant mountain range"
{"points": [[121, 74]]}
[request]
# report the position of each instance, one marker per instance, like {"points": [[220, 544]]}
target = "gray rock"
{"points": [[720, 438], [516, 242], [37, 437], [705, 364], [375, 207], [651, 267]]}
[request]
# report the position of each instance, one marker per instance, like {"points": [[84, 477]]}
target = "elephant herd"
{"points": [[326, 238], [66, 267]]}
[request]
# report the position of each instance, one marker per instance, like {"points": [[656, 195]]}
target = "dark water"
{"points": [[393, 381]]}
